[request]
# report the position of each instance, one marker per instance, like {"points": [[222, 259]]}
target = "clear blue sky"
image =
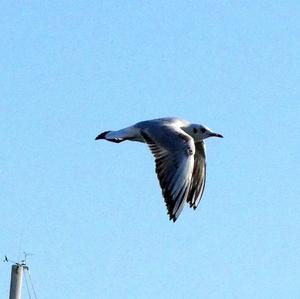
{"points": [[92, 212]]}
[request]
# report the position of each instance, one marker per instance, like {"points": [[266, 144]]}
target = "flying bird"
{"points": [[179, 151]]}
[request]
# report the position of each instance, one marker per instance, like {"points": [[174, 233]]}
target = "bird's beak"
{"points": [[216, 135]]}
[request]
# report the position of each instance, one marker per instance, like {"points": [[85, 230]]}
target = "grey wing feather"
{"points": [[173, 151], [198, 177]]}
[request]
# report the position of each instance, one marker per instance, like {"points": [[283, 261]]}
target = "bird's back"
{"points": [[173, 121]]}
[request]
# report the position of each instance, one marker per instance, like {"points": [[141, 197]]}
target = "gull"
{"points": [[179, 151]]}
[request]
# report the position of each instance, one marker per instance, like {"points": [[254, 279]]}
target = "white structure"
{"points": [[16, 280]]}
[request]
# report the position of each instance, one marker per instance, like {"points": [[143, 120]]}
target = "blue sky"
{"points": [[92, 212]]}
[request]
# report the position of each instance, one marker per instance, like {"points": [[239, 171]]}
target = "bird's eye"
{"points": [[195, 130], [203, 130]]}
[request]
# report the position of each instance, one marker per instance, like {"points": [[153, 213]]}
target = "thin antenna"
{"points": [[26, 254], [27, 287], [33, 289], [7, 260]]}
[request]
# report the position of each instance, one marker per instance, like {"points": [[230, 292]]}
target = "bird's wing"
{"points": [[173, 150], [198, 176]]}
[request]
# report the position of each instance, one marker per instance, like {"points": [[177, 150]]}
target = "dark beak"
{"points": [[216, 135]]}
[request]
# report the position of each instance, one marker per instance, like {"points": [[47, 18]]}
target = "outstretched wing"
{"points": [[173, 150], [198, 176]]}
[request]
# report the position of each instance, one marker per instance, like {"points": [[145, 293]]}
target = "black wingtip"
{"points": [[102, 135], [192, 205], [173, 218]]}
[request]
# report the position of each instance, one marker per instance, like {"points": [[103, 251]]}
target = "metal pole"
{"points": [[16, 281]]}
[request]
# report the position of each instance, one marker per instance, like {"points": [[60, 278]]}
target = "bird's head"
{"points": [[200, 132]]}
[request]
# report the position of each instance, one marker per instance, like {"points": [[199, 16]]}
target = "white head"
{"points": [[200, 132]]}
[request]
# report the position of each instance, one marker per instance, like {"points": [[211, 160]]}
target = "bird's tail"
{"points": [[107, 135], [117, 136]]}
